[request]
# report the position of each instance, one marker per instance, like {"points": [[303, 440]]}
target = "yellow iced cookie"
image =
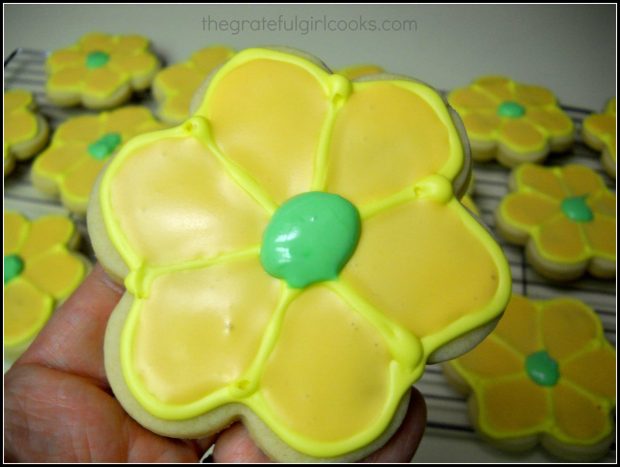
{"points": [[286, 253], [511, 122], [174, 86], [566, 218], [100, 71], [599, 132], [545, 375], [81, 146], [25, 131], [40, 270]]}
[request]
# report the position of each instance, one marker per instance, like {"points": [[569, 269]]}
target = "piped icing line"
{"points": [[340, 89], [502, 292], [325, 449], [138, 282]]}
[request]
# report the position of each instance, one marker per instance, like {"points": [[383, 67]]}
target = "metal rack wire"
{"points": [[447, 411]]}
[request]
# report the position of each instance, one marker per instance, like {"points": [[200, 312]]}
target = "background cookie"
{"points": [[100, 71], [511, 122], [565, 217], [599, 132], [25, 131], [323, 346], [545, 375], [80, 148], [41, 269]]}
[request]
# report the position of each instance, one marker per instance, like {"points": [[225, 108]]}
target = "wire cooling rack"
{"points": [[447, 410]]}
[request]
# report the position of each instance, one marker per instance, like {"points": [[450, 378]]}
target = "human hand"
{"points": [[58, 405]]}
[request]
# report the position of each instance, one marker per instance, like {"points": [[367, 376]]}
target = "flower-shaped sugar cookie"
{"points": [[25, 132], [81, 146], [511, 122], [40, 269], [286, 254], [100, 71], [545, 375], [175, 86], [599, 132], [565, 216]]}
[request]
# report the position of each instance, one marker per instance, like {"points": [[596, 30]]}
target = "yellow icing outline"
{"points": [[476, 383], [409, 353]]}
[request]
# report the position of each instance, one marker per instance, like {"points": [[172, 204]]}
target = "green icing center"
{"points": [[104, 146], [576, 209], [310, 238], [511, 110], [96, 59], [542, 369], [13, 267]]}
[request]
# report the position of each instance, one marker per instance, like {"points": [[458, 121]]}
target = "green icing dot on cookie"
{"points": [[542, 369], [576, 209], [96, 59], [104, 146], [510, 109], [310, 238], [13, 267]]}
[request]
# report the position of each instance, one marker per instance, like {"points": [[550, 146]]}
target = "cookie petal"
{"points": [[84, 128], [207, 59], [555, 122], [388, 136], [196, 333], [491, 359], [579, 417], [46, 233], [567, 327], [103, 82], [20, 127], [499, 88], [130, 121], [97, 42], [519, 326], [57, 273], [512, 408], [15, 232], [26, 310], [174, 202], [482, 125], [78, 182], [471, 99], [54, 163], [581, 180], [399, 268], [521, 136], [64, 58], [528, 210], [594, 371], [251, 100], [16, 99], [561, 240], [534, 96], [178, 78], [130, 44], [540, 179], [352, 356]]}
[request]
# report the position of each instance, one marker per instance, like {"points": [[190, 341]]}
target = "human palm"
{"points": [[59, 407]]}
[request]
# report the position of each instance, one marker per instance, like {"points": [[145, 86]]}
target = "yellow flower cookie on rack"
{"points": [[81, 146], [545, 375], [286, 253], [565, 217], [100, 71], [599, 132], [41, 269], [174, 86], [25, 131], [511, 122]]}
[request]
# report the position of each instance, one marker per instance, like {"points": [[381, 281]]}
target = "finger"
{"points": [[235, 445], [403, 445], [72, 340]]}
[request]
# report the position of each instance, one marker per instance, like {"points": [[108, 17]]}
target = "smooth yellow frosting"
{"points": [[599, 132], [326, 366], [51, 272], [576, 409]]}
